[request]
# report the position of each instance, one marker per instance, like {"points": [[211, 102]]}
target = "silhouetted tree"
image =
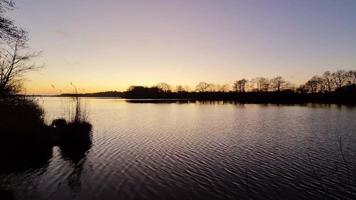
{"points": [[164, 87], [351, 75], [339, 78], [143, 92], [328, 81], [8, 29], [262, 84], [277, 83], [14, 63], [202, 87], [180, 89], [302, 89], [240, 85], [315, 84], [235, 87]]}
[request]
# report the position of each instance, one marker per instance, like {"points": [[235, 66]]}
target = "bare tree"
{"points": [[164, 87], [202, 87], [262, 84], [328, 81], [351, 76], [8, 29], [14, 60], [15, 63], [314, 85], [235, 86], [240, 85], [302, 89], [339, 78], [277, 83]]}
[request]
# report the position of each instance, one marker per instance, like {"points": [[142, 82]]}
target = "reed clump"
{"points": [[25, 135]]}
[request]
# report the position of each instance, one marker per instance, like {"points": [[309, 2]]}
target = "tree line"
{"points": [[327, 82], [338, 87]]}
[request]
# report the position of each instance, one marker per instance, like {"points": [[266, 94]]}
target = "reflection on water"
{"points": [[196, 150], [23, 173]]}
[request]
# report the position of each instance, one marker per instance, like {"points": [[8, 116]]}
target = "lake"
{"points": [[199, 150]]}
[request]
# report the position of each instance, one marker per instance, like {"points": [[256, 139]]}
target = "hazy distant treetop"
{"points": [[165, 87], [223, 88], [240, 85], [262, 83], [202, 87], [180, 88], [277, 83]]}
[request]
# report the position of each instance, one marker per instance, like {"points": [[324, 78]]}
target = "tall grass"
{"points": [[80, 113]]}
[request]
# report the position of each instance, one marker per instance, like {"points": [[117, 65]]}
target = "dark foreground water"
{"points": [[198, 151]]}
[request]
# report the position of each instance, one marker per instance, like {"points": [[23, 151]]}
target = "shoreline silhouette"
{"points": [[337, 87], [343, 95]]}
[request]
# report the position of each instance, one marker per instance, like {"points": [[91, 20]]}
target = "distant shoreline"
{"points": [[345, 96]]}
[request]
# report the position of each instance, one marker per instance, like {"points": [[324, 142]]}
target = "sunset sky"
{"points": [[111, 44]]}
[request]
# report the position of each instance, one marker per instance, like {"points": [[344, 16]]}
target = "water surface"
{"points": [[199, 151]]}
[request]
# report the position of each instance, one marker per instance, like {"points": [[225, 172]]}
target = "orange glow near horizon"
{"points": [[110, 45]]}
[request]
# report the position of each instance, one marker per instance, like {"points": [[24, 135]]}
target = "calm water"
{"points": [[200, 151]]}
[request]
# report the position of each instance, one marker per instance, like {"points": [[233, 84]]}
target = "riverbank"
{"points": [[26, 139]]}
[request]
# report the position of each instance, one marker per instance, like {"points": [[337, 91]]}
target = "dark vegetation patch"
{"points": [[27, 141]]}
